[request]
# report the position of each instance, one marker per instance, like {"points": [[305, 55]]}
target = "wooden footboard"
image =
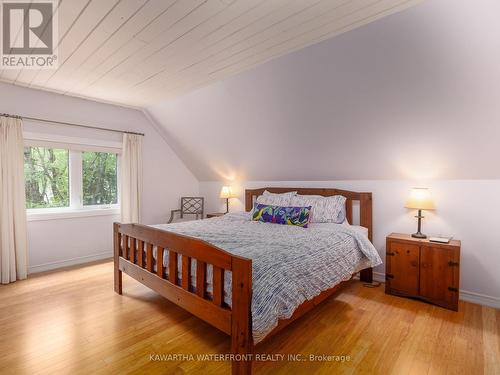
{"points": [[133, 254]]}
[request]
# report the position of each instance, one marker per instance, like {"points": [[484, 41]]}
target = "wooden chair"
{"points": [[189, 206]]}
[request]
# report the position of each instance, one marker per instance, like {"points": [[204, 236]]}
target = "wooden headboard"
{"points": [[365, 201]]}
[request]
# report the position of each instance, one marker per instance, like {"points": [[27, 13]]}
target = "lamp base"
{"points": [[419, 235]]}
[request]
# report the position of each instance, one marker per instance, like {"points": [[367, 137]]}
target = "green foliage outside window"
{"points": [[47, 177], [99, 178]]}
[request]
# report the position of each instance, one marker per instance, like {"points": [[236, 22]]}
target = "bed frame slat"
{"points": [[149, 257], [133, 244], [140, 253], [218, 285], [125, 247], [201, 274], [160, 268], [186, 272], [172, 267]]}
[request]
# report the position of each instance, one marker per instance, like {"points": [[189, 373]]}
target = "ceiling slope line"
{"points": [[163, 134]]}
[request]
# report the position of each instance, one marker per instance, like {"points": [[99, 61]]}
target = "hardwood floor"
{"points": [[71, 322]]}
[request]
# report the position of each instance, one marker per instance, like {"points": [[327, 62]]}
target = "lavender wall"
{"points": [[412, 95]]}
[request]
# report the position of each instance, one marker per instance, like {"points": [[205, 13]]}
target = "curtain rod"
{"points": [[69, 123]]}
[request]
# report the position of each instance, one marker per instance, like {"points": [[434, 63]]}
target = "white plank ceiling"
{"points": [[139, 52]]}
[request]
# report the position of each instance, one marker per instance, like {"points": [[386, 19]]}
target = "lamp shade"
{"points": [[420, 199], [226, 192]]}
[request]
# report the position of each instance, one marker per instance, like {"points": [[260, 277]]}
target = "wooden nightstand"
{"points": [[215, 214], [423, 269]]}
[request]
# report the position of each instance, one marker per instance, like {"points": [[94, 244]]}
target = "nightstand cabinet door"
{"points": [[402, 266], [439, 275]]}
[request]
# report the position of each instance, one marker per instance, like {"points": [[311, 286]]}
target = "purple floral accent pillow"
{"points": [[299, 216]]}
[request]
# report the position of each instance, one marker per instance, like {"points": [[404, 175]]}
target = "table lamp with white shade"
{"points": [[420, 199], [227, 193]]}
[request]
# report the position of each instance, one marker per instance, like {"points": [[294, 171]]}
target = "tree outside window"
{"points": [[60, 178], [99, 178], [46, 175]]}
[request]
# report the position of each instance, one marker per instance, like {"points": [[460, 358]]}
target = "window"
{"points": [[99, 178], [62, 180], [46, 173]]}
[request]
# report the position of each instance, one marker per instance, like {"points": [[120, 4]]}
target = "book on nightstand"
{"points": [[440, 239]]}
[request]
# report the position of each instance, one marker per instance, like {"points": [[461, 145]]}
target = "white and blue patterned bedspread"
{"points": [[290, 264]]}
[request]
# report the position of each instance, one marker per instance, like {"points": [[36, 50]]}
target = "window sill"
{"points": [[58, 214]]}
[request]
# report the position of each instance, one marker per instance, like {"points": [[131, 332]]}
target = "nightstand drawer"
{"points": [[402, 267]]}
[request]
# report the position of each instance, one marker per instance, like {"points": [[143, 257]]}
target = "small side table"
{"points": [[423, 269]]}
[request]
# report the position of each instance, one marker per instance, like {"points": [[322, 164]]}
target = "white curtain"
{"points": [[13, 235], [131, 178]]}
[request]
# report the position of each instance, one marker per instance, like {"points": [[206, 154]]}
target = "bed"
{"points": [[246, 278]]}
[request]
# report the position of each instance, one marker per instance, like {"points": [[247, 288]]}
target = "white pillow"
{"points": [[273, 199], [324, 209]]}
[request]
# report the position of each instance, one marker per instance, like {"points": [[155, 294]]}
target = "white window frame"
{"points": [[75, 146]]}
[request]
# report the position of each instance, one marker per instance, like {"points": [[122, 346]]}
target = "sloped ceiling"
{"points": [[137, 52], [413, 95]]}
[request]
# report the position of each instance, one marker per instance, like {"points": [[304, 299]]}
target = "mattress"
{"points": [[289, 264]]}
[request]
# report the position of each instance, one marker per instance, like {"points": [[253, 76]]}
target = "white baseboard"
{"points": [[69, 262], [480, 299]]}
